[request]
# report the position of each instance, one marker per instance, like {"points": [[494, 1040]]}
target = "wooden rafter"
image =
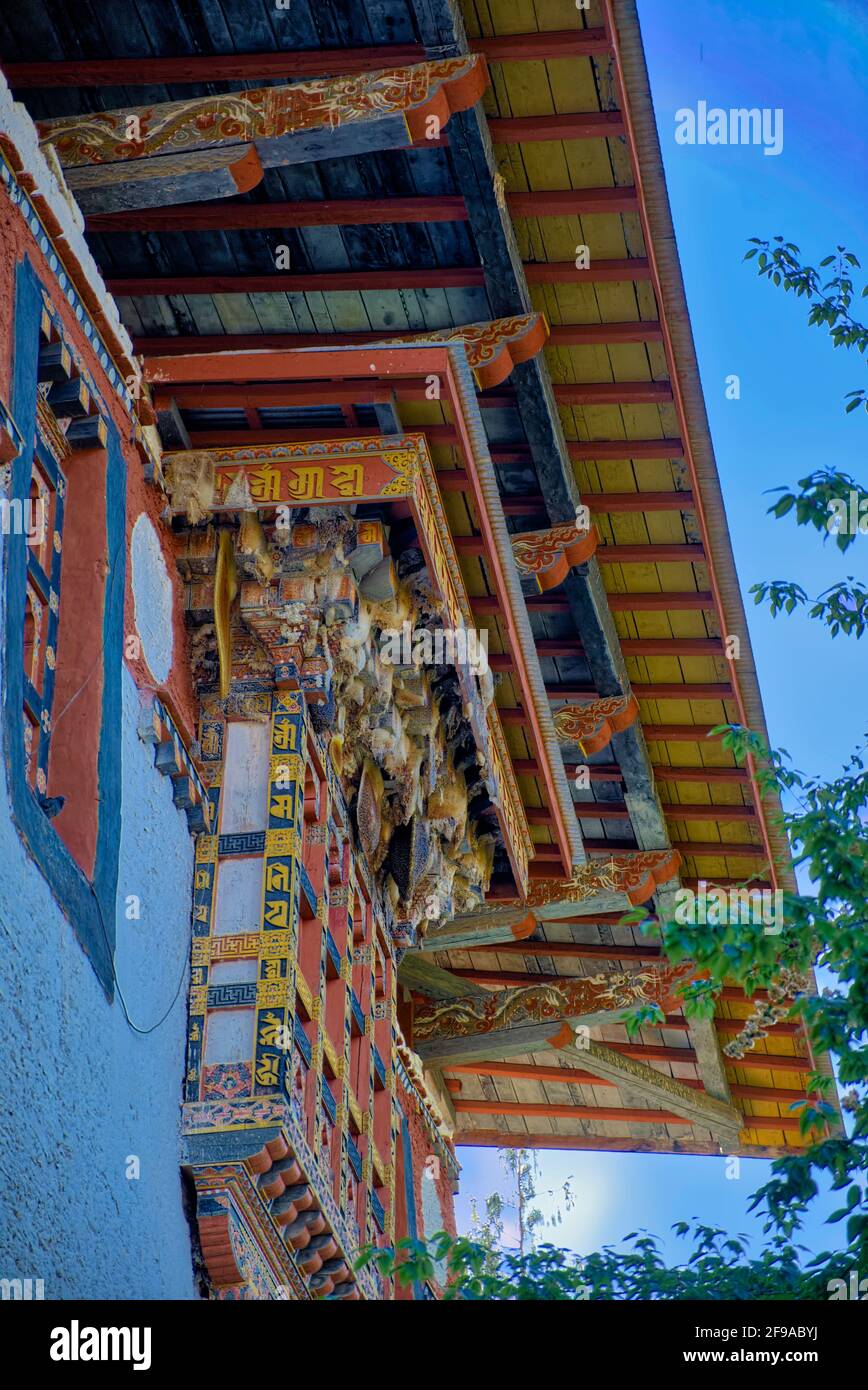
{"points": [[296, 64], [208, 147], [351, 212], [560, 335]]}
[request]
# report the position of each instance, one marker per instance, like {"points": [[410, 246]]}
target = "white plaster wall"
{"points": [[152, 597], [80, 1091], [244, 798]]}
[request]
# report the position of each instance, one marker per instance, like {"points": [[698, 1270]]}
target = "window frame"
{"points": [[88, 903]]}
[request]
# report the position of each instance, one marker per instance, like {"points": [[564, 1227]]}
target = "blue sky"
{"points": [[808, 57]]}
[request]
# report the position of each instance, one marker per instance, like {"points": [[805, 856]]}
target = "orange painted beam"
{"points": [[561, 335], [655, 690], [522, 1071], [568, 273], [572, 202], [209, 393], [552, 43], [630, 646], [625, 449], [583, 334], [326, 212], [719, 850], [625, 269], [577, 125], [651, 553], [628, 1114], [570, 950], [593, 1143], [255, 365], [618, 603], [664, 772], [355, 212]]}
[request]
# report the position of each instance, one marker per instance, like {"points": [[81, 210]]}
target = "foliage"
{"points": [[719, 1267]]}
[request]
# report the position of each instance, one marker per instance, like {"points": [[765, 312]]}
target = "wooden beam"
{"points": [[639, 1079], [592, 1143], [653, 690], [657, 1052], [587, 334], [524, 1071], [201, 395], [568, 273], [630, 646], [421, 975], [561, 335], [614, 393], [651, 553], [211, 67], [353, 212], [779, 1030], [222, 144], [569, 1076], [569, 1111], [552, 43], [660, 603], [572, 202], [245, 67], [301, 282], [708, 811], [625, 449], [598, 772], [524, 1020], [618, 603], [578, 125], [461, 936], [720, 850], [640, 501], [513, 714], [666, 773], [326, 212], [569, 950]]}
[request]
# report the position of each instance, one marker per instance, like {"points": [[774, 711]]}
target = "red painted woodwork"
{"points": [[579, 125], [567, 272], [239, 67]]}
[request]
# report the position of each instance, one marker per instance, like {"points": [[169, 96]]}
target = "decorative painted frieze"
{"points": [[217, 146]]}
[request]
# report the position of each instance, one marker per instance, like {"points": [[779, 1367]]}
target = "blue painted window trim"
{"points": [[377, 1211], [44, 584], [302, 1041], [90, 906], [328, 1101], [354, 1156], [334, 953], [358, 1013]]}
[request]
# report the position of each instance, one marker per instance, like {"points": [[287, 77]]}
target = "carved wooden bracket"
{"points": [[592, 725], [636, 874], [544, 558]]}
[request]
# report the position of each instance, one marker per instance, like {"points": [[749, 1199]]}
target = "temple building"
{"points": [[367, 600]]}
